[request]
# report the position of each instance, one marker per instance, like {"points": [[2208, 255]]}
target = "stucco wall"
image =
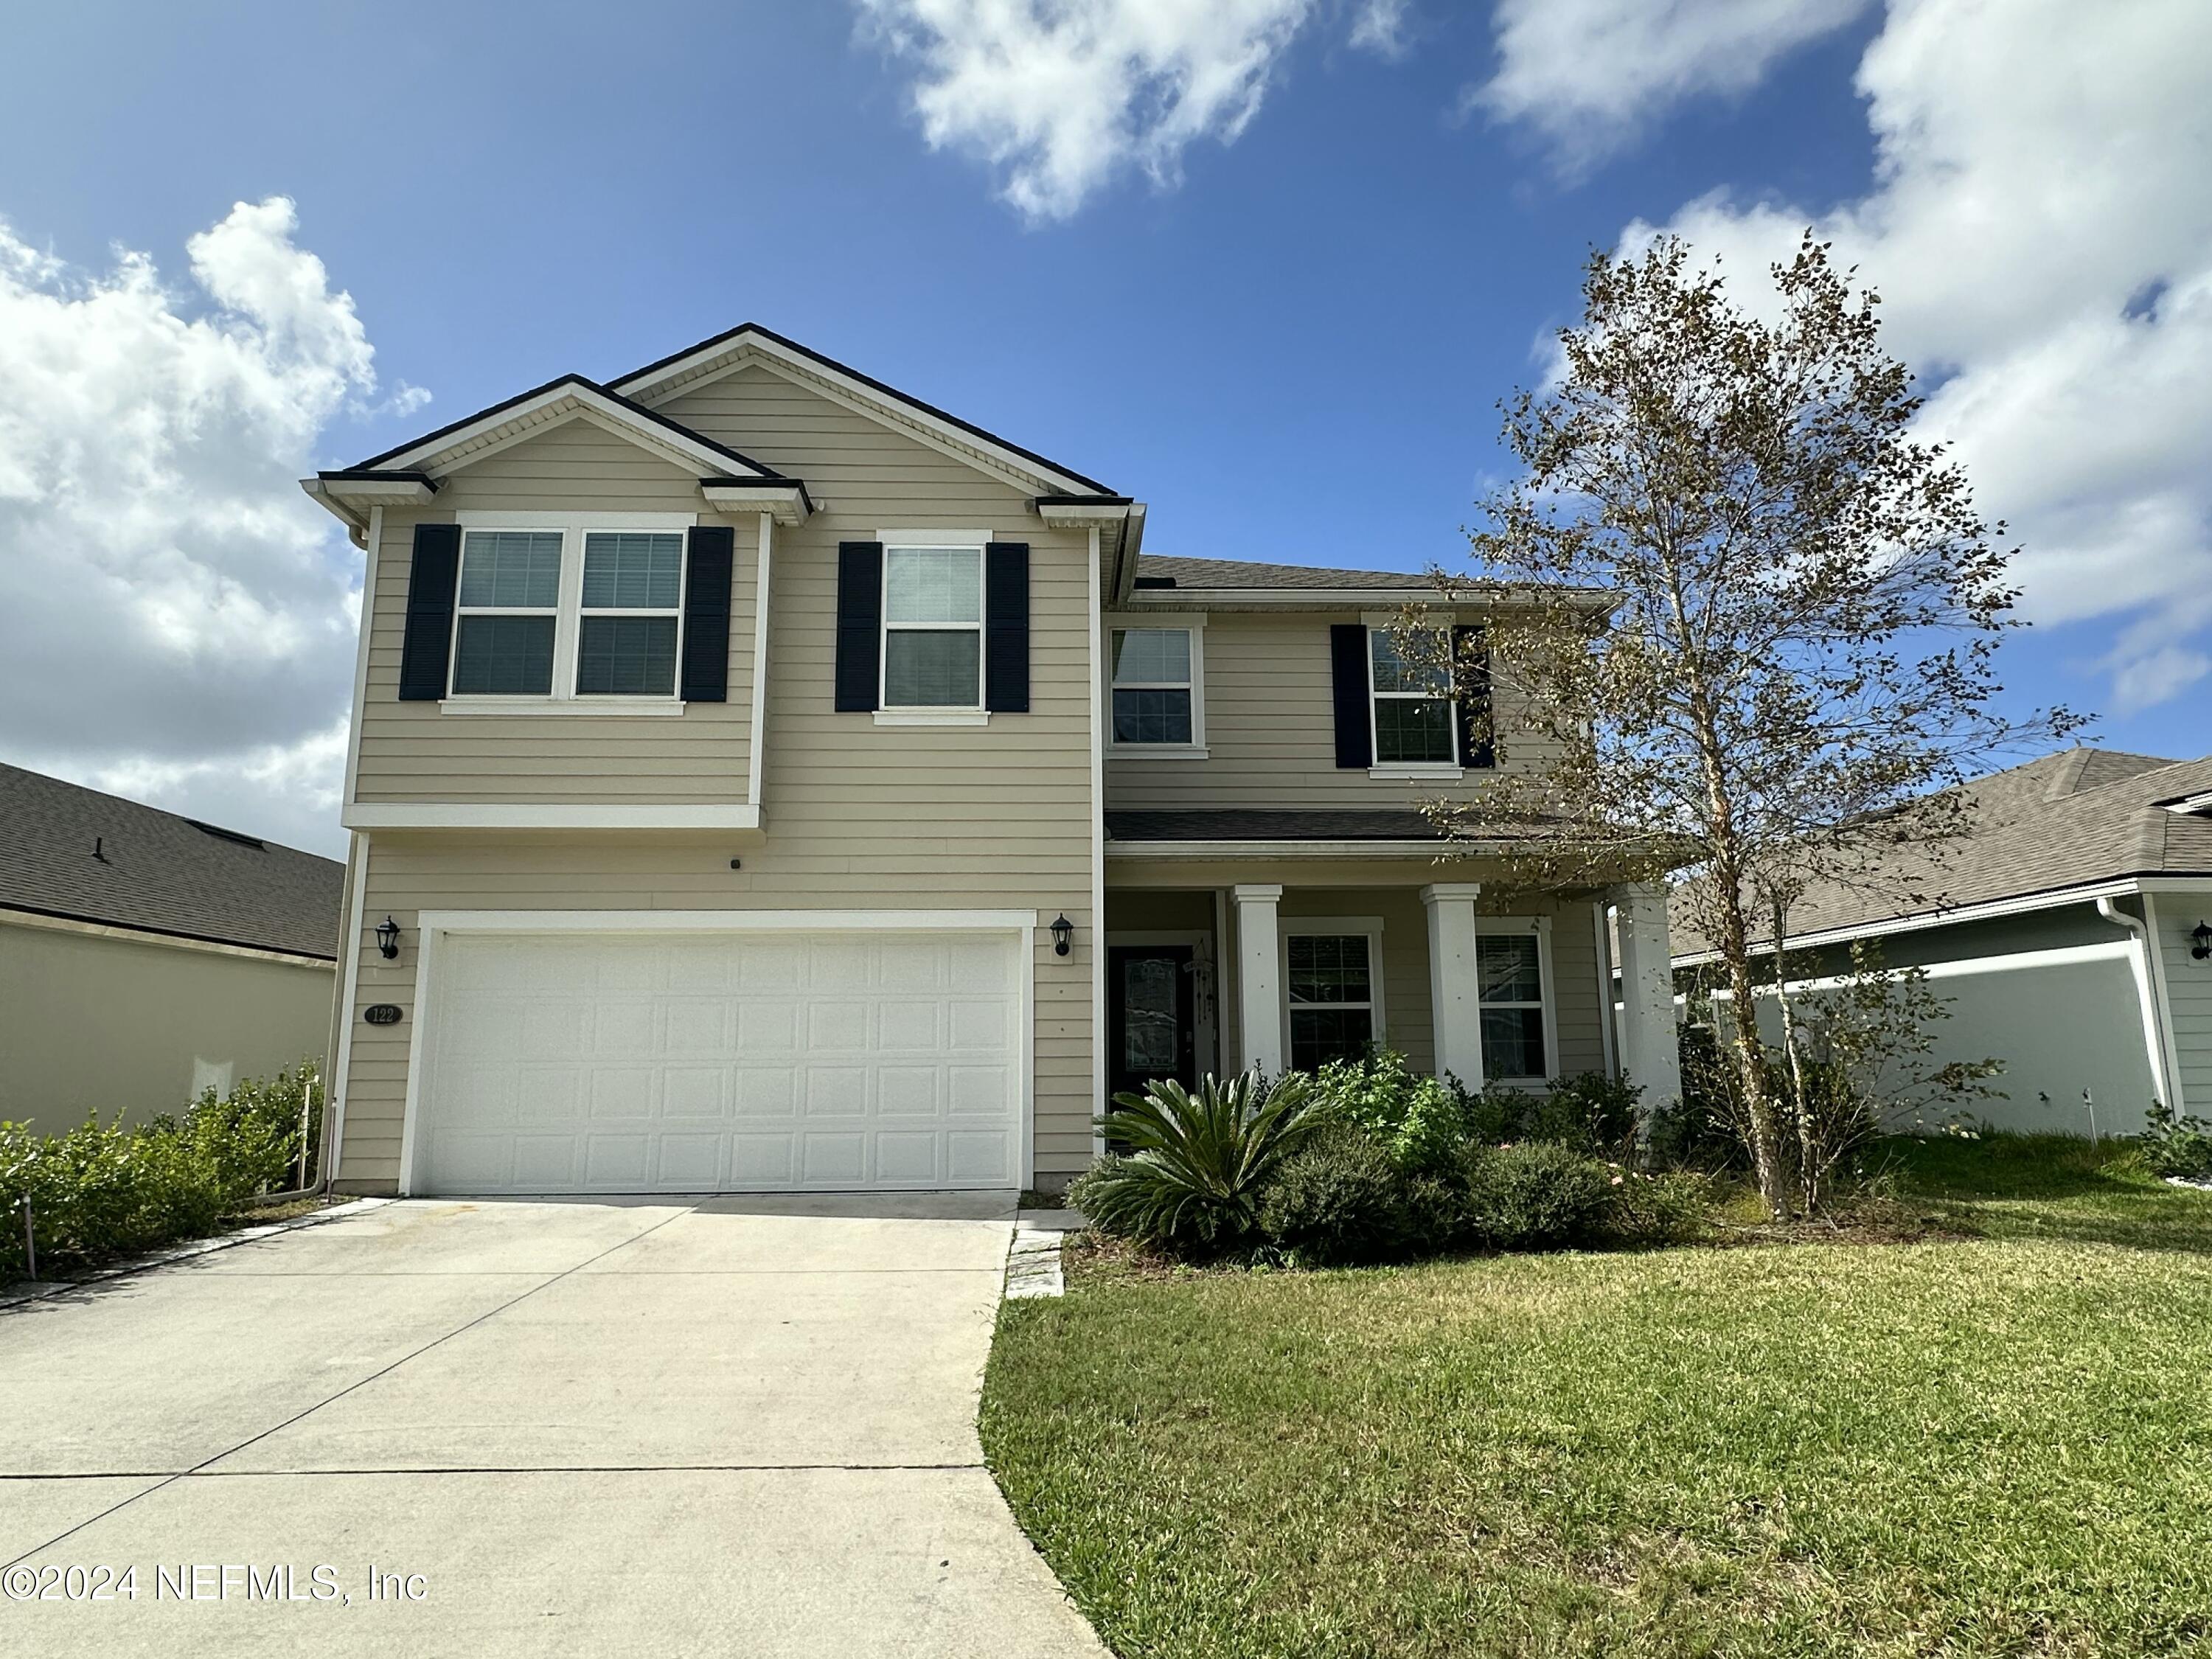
{"points": [[95, 1022]]}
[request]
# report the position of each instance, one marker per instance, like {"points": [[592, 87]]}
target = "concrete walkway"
{"points": [[640, 1427]]}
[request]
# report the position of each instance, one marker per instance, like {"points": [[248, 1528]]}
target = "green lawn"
{"points": [[1995, 1445]]}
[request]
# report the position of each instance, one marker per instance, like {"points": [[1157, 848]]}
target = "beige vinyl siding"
{"points": [[412, 751], [1271, 728], [858, 816], [2188, 1001]]}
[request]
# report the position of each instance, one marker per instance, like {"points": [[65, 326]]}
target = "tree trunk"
{"points": [[1759, 1109], [1800, 1105]]}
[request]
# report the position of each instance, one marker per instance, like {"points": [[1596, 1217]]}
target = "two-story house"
{"points": [[761, 779]]}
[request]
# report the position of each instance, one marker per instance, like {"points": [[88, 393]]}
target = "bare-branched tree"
{"points": [[1796, 671]]}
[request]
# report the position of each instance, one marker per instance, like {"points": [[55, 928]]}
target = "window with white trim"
{"points": [[1416, 722], [632, 607], [1330, 980], [1154, 687], [932, 655], [1509, 984], [506, 613]]}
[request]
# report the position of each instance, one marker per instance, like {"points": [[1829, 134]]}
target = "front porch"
{"points": [[1219, 964]]}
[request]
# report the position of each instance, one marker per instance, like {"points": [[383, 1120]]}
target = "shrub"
{"points": [[1337, 1200], [1199, 1161], [1698, 1131], [1535, 1195], [1665, 1206], [100, 1190], [1590, 1111], [2175, 1145], [1419, 1121]]}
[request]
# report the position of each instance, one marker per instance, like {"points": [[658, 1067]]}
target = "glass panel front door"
{"points": [[1150, 1005]]}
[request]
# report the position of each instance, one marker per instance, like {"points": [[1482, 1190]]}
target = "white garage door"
{"points": [[721, 1062]]}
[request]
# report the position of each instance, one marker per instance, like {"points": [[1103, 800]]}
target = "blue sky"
{"points": [[1289, 337]]}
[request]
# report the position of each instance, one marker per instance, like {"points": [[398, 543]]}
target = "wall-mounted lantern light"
{"points": [[1063, 930], [387, 938], [2200, 940]]}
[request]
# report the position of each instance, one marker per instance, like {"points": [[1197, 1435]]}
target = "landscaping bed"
{"points": [[1994, 1436]]}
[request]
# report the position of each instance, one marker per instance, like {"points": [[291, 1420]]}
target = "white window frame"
{"points": [[1192, 623], [568, 616], [1368, 927], [1524, 927], [1448, 771], [931, 714]]}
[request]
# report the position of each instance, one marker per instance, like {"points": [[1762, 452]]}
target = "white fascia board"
{"points": [[1988, 910], [1085, 515], [725, 921], [442, 815], [1290, 849], [1340, 598], [523, 419]]}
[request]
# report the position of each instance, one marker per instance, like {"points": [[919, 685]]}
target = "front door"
{"points": [[1152, 1004]]}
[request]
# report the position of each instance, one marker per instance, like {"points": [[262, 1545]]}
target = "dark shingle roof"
{"points": [[159, 873], [1247, 573], [2077, 817], [1241, 824]]}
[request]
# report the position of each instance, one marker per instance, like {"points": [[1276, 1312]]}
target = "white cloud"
{"points": [[1060, 95], [2040, 228], [1379, 26], [176, 618], [1589, 74]]}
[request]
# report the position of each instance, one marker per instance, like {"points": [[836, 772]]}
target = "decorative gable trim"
{"points": [[552, 405], [749, 343]]}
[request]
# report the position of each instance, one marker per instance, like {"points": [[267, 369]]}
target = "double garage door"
{"points": [[706, 1062]]}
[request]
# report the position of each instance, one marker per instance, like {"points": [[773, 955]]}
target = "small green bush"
{"points": [[1197, 1162], [1338, 1200], [1590, 1111], [1420, 1121], [99, 1191], [1536, 1195], [1662, 1206], [2173, 1146]]}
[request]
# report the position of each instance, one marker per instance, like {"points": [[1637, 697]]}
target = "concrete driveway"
{"points": [[735, 1426]]}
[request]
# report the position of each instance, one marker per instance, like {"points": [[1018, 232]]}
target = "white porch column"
{"points": [[1651, 1051], [1455, 984], [1259, 981]]}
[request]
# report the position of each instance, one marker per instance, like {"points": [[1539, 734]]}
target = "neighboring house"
{"points": [[146, 956], [766, 780], [2073, 938]]}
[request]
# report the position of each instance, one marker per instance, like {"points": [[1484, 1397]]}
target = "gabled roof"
{"points": [[1233, 584], [715, 356], [2066, 821], [556, 401], [78, 854]]}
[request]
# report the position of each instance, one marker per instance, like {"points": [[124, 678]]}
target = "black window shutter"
{"points": [[1006, 628], [1347, 659], [427, 643], [859, 624], [1478, 734], [707, 564]]}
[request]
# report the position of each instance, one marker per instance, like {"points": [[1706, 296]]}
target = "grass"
{"points": [[1997, 1443]]}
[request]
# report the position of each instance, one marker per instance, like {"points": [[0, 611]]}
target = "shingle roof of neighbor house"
{"points": [[71, 851], [2067, 820]]}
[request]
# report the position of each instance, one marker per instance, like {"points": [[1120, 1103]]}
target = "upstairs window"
{"points": [[633, 602], [933, 628], [1416, 722], [507, 613], [1155, 686]]}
